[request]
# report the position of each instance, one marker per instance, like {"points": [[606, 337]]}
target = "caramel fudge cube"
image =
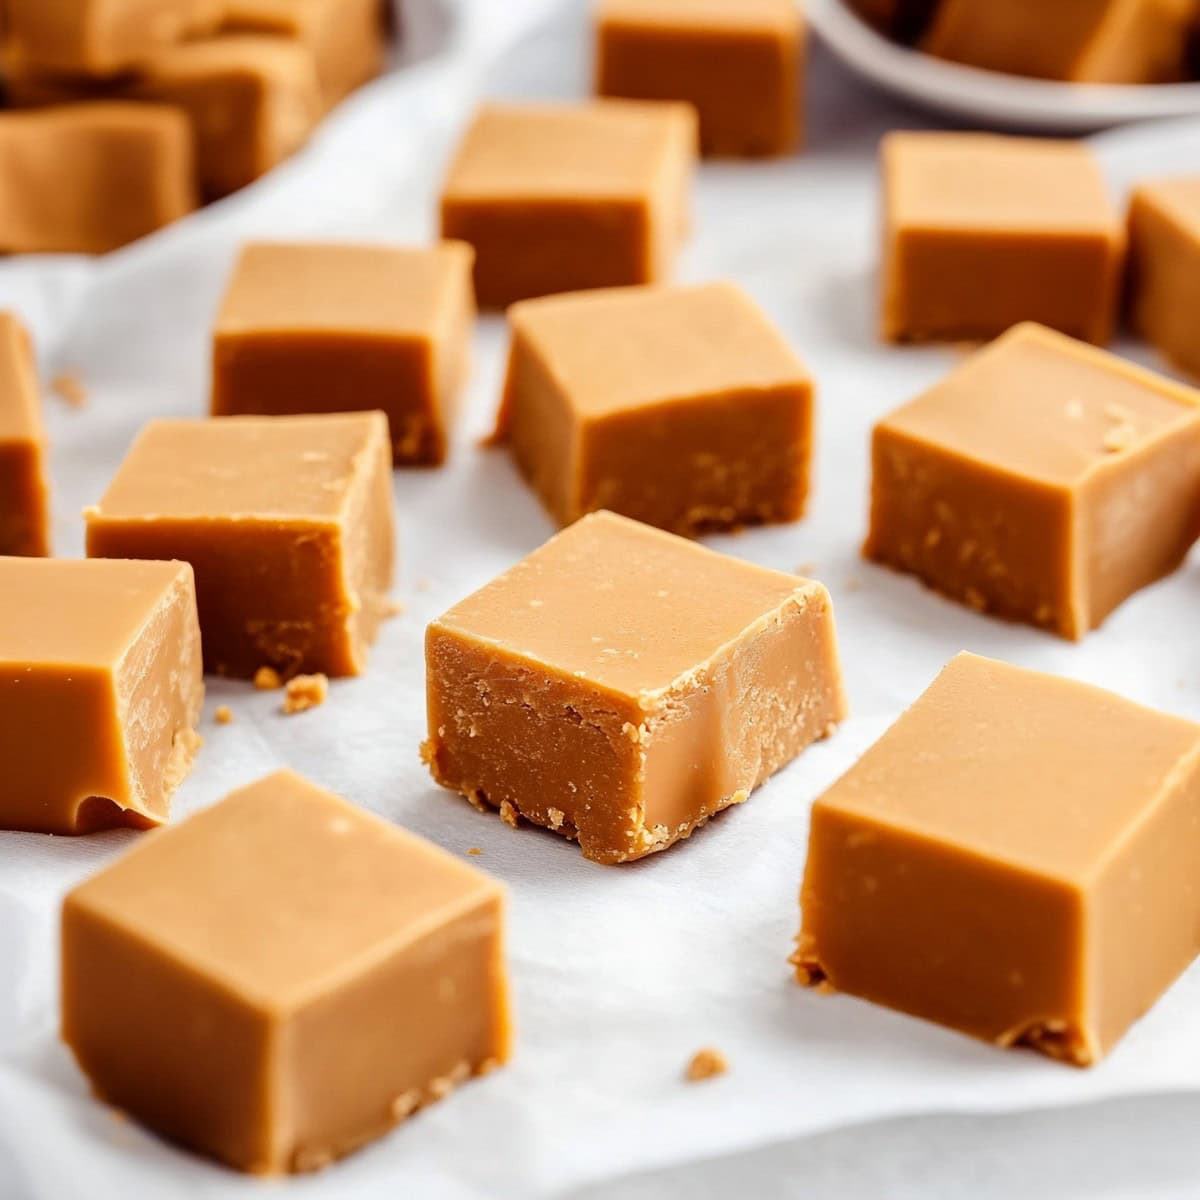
{"points": [[1164, 247], [1016, 858], [981, 232], [345, 37], [90, 178], [102, 37], [281, 978], [287, 521], [682, 407], [1085, 41], [24, 504], [738, 62], [557, 198], [328, 328], [1044, 481], [100, 692], [622, 685]]}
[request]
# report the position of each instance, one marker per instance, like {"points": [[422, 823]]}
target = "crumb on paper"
{"points": [[852, 584], [224, 715], [267, 679], [305, 692], [70, 388], [423, 585], [508, 813], [706, 1064], [475, 851], [806, 569]]}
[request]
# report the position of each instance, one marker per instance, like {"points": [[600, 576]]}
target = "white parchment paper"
{"points": [[620, 973]]}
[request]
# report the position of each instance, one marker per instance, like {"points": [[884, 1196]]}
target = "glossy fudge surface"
{"points": [[1164, 246], [1015, 858], [307, 327], [683, 407], [561, 197], [90, 178], [24, 487], [282, 977], [1043, 480], [287, 521], [621, 685], [100, 691], [983, 231], [739, 62]]}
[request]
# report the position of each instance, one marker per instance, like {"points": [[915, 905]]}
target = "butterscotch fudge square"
{"points": [[24, 515], [100, 692], [621, 685], [283, 977], [739, 62], [287, 521], [981, 232], [557, 198], [682, 407], [308, 328], [1043, 480], [1164, 247]]}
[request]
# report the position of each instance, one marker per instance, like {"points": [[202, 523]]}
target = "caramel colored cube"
{"points": [[287, 521], [740, 63], [982, 232], [281, 978], [102, 37], [682, 407], [100, 692], [1043, 480], [1164, 247], [24, 491], [622, 685], [1016, 858], [557, 198], [1084, 41], [339, 328], [90, 178], [345, 37]]}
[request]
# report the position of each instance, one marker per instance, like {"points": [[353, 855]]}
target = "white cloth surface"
{"points": [[620, 973]]}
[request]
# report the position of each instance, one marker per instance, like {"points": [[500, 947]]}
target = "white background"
{"points": [[620, 973]]}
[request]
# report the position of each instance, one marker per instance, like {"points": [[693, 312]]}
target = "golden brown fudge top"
{"points": [[1039, 404], [311, 287], [625, 607], [81, 612], [283, 890], [1177, 199], [20, 411], [611, 149], [289, 468], [621, 348], [717, 15], [1043, 773], [989, 182]]}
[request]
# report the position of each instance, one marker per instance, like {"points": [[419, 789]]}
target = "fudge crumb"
{"points": [[406, 1104], [557, 817], [69, 388], [224, 715], [305, 692], [1119, 438], [475, 850], [508, 813], [267, 679], [706, 1064], [441, 1087]]}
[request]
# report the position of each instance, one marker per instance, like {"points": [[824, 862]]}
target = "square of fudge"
{"points": [[1164, 267], [683, 407], [24, 488], [1015, 858], [100, 692], [1043, 480], [283, 977], [621, 685], [557, 198], [288, 522], [308, 328], [740, 63], [981, 232]]}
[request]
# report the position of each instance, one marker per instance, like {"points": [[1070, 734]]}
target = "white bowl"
{"points": [[989, 97]]}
